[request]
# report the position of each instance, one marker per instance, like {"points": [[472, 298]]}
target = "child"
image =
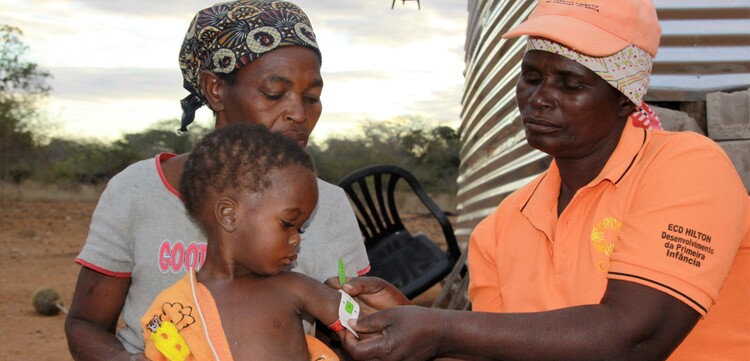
{"points": [[251, 191]]}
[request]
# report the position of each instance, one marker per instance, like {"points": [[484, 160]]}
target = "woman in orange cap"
{"points": [[633, 245]]}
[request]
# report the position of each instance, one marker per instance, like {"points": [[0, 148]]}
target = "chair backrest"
{"points": [[372, 192]]}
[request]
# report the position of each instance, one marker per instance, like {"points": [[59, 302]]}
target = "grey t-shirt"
{"points": [[140, 229]]}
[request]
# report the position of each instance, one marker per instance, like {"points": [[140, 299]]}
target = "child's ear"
{"points": [[226, 209]]}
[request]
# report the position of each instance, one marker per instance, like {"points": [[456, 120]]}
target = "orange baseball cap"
{"points": [[594, 27]]}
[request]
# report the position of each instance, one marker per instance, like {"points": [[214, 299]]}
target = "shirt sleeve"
{"points": [[107, 249], [685, 223], [484, 283]]}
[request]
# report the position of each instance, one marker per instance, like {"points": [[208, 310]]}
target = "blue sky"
{"points": [[115, 62]]}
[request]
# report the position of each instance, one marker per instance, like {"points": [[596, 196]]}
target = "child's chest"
{"points": [[262, 323]]}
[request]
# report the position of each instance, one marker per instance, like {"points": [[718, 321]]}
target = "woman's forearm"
{"points": [[632, 322]]}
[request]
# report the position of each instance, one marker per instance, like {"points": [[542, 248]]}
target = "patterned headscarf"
{"points": [[628, 71], [228, 36]]}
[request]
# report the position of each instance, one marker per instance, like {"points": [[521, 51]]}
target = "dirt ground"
{"points": [[38, 242]]}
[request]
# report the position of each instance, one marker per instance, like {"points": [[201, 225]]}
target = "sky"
{"points": [[115, 66]]}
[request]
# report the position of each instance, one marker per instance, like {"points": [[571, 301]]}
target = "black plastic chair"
{"points": [[411, 262]]}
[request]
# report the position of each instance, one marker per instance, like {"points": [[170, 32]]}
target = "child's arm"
{"points": [[317, 299]]}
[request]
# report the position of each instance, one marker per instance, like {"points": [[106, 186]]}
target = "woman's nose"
{"points": [[540, 96], [296, 111]]}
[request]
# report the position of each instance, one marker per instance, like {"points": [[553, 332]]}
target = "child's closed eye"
{"points": [[287, 224]]}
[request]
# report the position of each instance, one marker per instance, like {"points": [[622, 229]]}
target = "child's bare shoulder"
{"points": [[297, 282], [306, 288]]}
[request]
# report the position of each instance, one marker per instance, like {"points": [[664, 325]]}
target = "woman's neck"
{"points": [[577, 173]]}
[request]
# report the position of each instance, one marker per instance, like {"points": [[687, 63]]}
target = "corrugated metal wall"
{"points": [[705, 47]]}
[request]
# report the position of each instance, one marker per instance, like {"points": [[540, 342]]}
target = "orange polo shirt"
{"points": [[668, 211]]}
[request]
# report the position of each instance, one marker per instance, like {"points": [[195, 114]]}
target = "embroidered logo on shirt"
{"points": [[603, 236]]}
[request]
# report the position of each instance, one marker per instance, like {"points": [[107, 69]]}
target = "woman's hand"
{"points": [[409, 333], [372, 293]]}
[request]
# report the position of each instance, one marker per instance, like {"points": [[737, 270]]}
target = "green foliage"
{"points": [[430, 153], [87, 161], [18, 76], [160, 137], [22, 84], [77, 161]]}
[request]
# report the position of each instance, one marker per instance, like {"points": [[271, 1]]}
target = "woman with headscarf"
{"points": [[250, 62], [633, 245]]}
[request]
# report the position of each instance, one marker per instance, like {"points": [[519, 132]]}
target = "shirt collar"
{"points": [[541, 201], [628, 149]]}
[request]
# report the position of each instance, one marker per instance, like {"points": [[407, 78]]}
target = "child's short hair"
{"points": [[237, 156]]}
